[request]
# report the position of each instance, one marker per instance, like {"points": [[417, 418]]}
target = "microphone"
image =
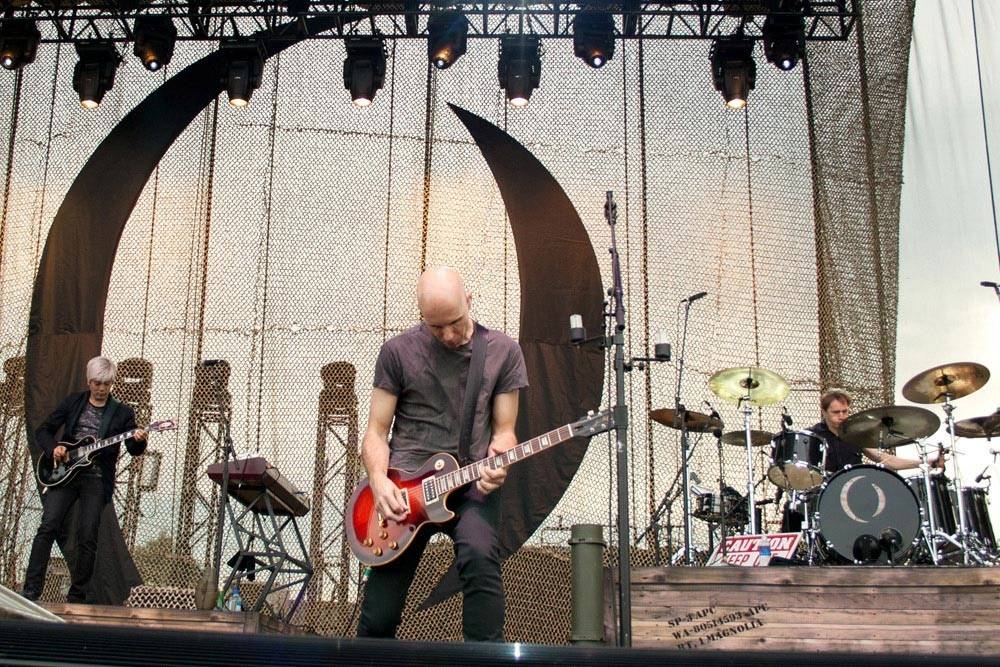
{"points": [[987, 283], [981, 476], [890, 539], [714, 413], [786, 419], [577, 334], [994, 451], [694, 297]]}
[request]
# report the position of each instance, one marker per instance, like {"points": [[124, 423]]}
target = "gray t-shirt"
{"points": [[429, 380], [89, 422]]}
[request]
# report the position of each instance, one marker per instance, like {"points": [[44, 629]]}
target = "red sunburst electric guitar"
{"points": [[376, 540]]}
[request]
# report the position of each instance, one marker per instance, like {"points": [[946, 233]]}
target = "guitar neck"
{"points": [[453, 480], [107, 442]]}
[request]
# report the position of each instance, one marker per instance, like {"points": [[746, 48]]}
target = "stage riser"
{"points": [[848, 609]]}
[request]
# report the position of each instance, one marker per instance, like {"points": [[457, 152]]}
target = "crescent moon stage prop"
{"points": [[559, 276], [66, 321]]}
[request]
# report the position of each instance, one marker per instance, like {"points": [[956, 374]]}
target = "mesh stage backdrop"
{"points": [[285, 239]]}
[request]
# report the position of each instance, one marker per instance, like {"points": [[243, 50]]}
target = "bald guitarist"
{"points": [[95, 413], [421, 381]]}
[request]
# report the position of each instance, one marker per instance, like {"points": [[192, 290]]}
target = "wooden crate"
{"points": [[829, 609]]}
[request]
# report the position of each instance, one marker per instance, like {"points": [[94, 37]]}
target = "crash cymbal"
{"points": [[696, 421], [979, 427], [949, 380], [896, 425], [739, 438], [764, 387]]}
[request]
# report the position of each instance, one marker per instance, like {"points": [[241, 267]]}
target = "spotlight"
{"points": [[734, 71], [18, 43], [364, 68], [94, 73], [154, 41], [594, 37], [446, 37], [242, 70], [520, 67], [784, 39]]}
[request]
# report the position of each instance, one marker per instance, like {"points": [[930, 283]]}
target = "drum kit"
{"points": [[862, 513]]}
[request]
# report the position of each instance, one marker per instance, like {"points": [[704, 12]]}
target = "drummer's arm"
{"points": [[893, 462]]}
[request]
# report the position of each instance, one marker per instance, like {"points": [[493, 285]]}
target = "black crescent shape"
{"points": [[66, 321], [559, 276]]}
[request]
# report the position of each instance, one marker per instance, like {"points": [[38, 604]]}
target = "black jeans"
{"points": [[477, 555], [57, 502]]}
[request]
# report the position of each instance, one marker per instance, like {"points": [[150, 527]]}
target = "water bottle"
{"points": [[235, 601], [764, 551]]}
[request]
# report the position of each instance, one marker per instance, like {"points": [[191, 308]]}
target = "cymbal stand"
{"points": [[751, 505], [963, 530], [929, 525]]}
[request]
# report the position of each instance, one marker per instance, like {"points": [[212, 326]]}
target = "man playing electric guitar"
{"points": [[88, 413], [421, 379]]}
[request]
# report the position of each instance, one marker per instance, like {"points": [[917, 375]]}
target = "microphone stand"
{"points": [[995, 286], [621, 434], [685, 454]]}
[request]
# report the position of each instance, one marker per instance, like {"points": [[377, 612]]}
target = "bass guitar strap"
{"points": [[472, 384]]}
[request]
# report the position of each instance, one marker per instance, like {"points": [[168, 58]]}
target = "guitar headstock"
{"points": [[161, 425], [594, 423]]}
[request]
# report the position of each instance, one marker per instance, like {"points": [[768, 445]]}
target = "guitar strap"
{"points": [[472, 384]]}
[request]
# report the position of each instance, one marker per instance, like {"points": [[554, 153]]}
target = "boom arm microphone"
{"points": [[694, 297]]}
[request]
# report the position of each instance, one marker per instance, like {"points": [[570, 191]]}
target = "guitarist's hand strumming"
{"points": [[388, 498]]}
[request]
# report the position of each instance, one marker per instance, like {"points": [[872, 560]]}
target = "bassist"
{"points": [[88, 413], [421, 378]]}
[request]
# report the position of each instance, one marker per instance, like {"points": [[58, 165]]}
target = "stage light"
{"points": [[364, 68], [784, 39], [94, 73], [594, 37], [447, 33], [243, 69], [18, 43], [734, 71], [154, 41], [519, 69]]}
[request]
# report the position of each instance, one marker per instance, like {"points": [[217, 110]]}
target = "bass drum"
{"points": [[860, 508]]}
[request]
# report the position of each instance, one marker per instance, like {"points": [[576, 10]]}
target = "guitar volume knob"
{"points": [[384, 534], [393, 545], [377, 551], [368, 542]]}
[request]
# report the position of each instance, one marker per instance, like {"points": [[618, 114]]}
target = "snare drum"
{"points": [[798, 460], [860, 503], [731, 509]]}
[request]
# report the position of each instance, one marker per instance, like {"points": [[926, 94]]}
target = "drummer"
{"points": [[835, 406]]}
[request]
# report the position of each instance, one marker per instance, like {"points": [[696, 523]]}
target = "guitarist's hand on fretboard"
{"points": [[490, 480], [139, 435]]}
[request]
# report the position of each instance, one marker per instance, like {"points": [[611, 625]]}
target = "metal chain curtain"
{"points": [[284, 241]]}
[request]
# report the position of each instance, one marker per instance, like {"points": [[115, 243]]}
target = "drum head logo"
{"points": [[845, 503]]}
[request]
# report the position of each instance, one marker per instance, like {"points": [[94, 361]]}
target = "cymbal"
{"points": [[764, 387], [979, 427], [696, 421], [897, 424], [739, 438], [949, 380]]}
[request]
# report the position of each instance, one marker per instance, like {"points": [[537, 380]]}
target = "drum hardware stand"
{"points": [[963, 532], [751, 506], [929, 525]]}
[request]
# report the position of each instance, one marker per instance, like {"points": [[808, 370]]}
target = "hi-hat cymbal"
{"points": [[763, 387], [739, 438], [979, 427], [696, 421], [889, 426], [947, 381]]}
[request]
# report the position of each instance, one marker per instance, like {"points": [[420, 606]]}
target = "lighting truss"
{"points": [[212, 20]]}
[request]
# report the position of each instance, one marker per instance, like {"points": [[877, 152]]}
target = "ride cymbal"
{"points": [[979, 427], [763, 387], [739, 438], [949, 381], [696, 421], [889, 426]]}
